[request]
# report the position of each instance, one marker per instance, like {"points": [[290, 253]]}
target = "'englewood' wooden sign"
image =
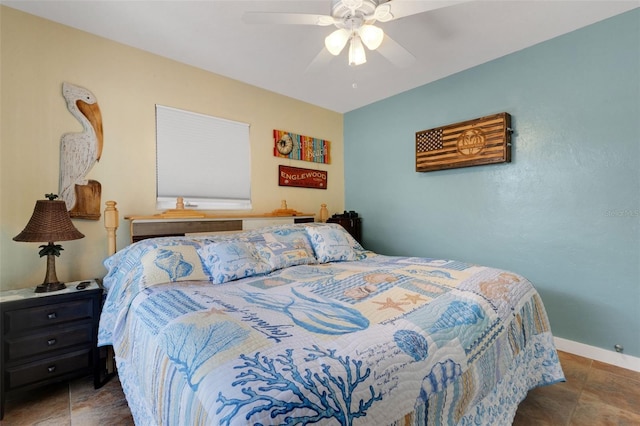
{"points": [[485, 140], [304, 178]]}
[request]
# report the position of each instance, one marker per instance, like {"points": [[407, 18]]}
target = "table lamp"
{"points": [[50, 222]]}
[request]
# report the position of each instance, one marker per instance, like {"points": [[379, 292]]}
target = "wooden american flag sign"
{"points": [[484, 140]]}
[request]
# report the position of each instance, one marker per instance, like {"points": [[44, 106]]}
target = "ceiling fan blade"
{"points": [[286, 18], [320, 62], [395, 53], [401, 8]]}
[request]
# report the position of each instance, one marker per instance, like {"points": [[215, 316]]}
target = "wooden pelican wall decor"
{"points": [[79, 152]]}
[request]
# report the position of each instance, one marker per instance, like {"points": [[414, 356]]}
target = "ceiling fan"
{"points": [[355, 21]]}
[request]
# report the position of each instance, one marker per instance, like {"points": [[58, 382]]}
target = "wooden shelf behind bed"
{"points": [[181, 221], [143, 227]]}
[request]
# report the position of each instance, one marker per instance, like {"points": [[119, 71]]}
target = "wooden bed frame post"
{"points": [[111, 224], [111, 221]]}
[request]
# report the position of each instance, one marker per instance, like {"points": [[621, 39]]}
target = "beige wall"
{"points": [[38, 55]]}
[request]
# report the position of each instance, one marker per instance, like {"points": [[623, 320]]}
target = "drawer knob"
{"points": [[52, 315], [51, 368], [51, 342]]}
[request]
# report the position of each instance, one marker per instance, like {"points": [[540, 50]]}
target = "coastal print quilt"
{"points": [[378, 340]]}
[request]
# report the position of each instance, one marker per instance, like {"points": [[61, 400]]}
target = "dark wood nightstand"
{"points": [[352, 224], [48, 337]]}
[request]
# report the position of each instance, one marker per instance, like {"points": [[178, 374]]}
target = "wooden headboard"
{"points": [[180, 222], [141, 229]]}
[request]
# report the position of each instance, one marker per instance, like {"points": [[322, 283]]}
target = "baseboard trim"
{"points": [[608, 357]]}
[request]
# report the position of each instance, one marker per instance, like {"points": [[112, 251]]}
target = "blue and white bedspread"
{"points": [[300, 325]]}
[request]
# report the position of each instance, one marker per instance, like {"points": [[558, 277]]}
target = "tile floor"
{"points": [[594, 394], [75, 403]]}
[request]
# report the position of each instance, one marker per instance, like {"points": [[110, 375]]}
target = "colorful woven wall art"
{"points": [[299, 147]]}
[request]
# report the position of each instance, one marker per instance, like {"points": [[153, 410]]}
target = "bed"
{"points": [[299, 324]]}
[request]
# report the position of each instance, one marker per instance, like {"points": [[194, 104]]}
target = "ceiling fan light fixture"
{"points": [[357, 55], [336, 41], [371, 36]]}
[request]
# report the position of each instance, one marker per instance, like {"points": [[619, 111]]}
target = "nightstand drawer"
{"points": [[48, 368], [40, 316], [52, 340]]}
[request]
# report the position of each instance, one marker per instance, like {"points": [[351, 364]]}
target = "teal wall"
{"points": [[565, 212]]}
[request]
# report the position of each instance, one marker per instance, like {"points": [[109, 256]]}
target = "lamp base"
{"points": [[47, 287]]}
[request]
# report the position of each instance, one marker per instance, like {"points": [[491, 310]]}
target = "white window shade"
{"points": [[203, 159]]}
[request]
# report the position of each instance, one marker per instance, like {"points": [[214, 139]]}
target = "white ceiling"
{"points": [[212, 35]]}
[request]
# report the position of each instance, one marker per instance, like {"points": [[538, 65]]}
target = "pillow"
{"points": [[164, 264], [331, 243], [286, 247], [287, 234], [283, 255], [232, 260]]}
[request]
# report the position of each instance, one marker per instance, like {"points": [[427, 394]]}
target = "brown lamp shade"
{"points": [[50, 222]]}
